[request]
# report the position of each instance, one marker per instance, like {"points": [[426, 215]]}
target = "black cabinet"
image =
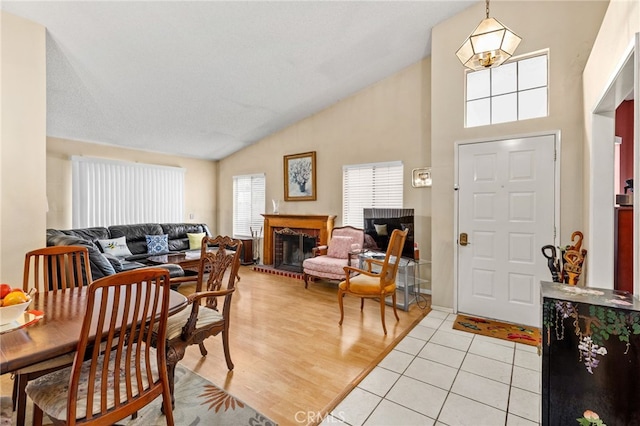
{"points": [[590, 355]]}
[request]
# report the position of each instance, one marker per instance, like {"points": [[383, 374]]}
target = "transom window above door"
{"points": [[514, 91]]}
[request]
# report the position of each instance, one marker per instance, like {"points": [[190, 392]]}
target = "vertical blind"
{"points": [[373, 185], [248, 204], [110, 192]]}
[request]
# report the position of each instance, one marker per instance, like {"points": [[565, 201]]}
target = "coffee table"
{"points": [[188, 260]]}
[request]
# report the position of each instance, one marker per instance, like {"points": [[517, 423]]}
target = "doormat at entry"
{"points": [[500, 330]]}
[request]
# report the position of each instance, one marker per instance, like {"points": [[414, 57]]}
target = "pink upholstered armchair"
{"points": [[328, 261]]}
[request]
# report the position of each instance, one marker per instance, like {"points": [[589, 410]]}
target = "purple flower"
{"points": [[589, 351]]}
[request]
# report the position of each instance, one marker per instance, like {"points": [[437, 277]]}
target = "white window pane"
{"points": [[478, 113], [248, 204], [504, 79], [532, 72], [478, 84], [533, 103], [504, 108], [511, 92]]}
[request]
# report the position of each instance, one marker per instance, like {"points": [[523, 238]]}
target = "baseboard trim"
{"points": [[442, 309]]}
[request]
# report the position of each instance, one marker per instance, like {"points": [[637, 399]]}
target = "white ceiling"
{"points": [[206, 78]]}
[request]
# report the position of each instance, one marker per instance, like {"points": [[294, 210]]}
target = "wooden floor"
{"points": [[293, 362]]}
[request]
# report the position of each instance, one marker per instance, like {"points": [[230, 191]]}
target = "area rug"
{"points": [[198, 402], [500, 330]]}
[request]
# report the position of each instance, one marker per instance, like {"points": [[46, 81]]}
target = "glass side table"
{"points": [[408, 282]]}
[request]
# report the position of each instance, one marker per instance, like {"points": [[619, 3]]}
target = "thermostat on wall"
{"points": [[421, 177]]}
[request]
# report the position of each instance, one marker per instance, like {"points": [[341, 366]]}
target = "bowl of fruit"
{"points": [[13, 303]]}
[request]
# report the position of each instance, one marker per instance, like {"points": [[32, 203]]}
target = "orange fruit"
{"points": [[4, 290], [14, 298]]}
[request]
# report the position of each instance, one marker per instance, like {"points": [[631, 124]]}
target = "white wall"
{"points": [[22, 144]]}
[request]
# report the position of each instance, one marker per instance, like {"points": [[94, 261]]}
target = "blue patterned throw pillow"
{"points": [[157, 244]]}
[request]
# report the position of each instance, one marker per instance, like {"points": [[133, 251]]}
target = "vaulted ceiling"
{"points": [[207, 78]]}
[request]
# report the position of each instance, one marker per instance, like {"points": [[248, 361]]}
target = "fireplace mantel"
{"points": [[322, 223]]}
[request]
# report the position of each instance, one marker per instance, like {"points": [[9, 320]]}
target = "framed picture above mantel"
{"points": [[300, 177]]}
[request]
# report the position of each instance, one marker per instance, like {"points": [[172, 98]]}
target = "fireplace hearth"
{"points": [[291, 248]]}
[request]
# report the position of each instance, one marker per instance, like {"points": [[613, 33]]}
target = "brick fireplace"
{"points": [[319, 226], [291, 248]]}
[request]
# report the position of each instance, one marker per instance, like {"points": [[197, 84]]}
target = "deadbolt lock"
{"points": [[464, 239]]}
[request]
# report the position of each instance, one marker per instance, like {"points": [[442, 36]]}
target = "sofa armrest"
{"points": [[115, 261]]}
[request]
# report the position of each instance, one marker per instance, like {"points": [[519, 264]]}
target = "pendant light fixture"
{"points": [[489, 45]]}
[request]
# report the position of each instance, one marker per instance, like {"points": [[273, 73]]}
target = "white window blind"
{"points": [[248, 204], [110, 192], [374, 185]]}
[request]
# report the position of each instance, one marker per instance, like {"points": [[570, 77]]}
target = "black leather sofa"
{"points": [[105, 264]]}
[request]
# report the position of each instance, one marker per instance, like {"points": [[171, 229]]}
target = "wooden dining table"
{"points": [[58, 332]]}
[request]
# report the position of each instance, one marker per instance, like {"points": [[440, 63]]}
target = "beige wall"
{"points": [[568, 29], [384, 122], [201, 182], [22, 144]]}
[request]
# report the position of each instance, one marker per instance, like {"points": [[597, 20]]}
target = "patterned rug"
{"points": [[198, 402], [501, 330]]}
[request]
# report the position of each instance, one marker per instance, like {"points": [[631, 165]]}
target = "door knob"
{"points": [[464, 239]]}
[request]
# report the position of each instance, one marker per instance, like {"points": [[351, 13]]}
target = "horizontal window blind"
{"points": [[109, 192], [373, 185], [248, 204]]}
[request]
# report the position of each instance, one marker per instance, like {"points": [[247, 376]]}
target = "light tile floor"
{"points": [[440, 376]]}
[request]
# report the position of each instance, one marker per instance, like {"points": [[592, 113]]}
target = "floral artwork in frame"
{"points": [[300, 177]]}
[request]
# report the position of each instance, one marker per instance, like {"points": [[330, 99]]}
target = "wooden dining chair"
{"points": [[56, 268], [219, 260], [365, 283], [48, 269], [119, 372]]}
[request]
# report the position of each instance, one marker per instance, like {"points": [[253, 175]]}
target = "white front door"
{"points": [[506, 207]]}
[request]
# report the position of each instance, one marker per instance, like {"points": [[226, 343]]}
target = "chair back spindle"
{"points": [[56, 268], [392, 258]]}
